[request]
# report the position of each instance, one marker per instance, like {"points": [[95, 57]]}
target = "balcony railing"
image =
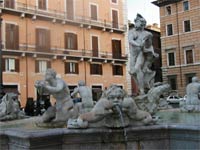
{"points": [[56, 51], [62, 15]]}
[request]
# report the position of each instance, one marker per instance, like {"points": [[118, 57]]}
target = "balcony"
{"points": [[34, 12], [59, 53]]}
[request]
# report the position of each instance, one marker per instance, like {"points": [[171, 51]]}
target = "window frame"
{"points": [[71, 68], [168, 61], [116, 72], [90, 11], [96, 72], [47, 5], [166, 10], [184, 2], [169, 77], [185, 54], [184, 26], [167, 33]]}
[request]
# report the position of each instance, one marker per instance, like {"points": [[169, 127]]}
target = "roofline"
{"points": [[161, 3]]}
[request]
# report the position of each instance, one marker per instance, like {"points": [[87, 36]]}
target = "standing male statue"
{"points": [[141, 55], [86, 96]]}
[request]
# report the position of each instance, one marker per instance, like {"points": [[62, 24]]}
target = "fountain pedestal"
{"points": [[168, 137]]}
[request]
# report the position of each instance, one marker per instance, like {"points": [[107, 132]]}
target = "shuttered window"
{"points": [[42, 65], [71, 68], [70, 9], [9, 3], [10, 65], [12, 36], [115, 18], [43, 40], [116, 49], [96, 69], [114, 1], [189, 57], [93, 12], [71, 41], [95, 47], [117, 70], [42, 4]]}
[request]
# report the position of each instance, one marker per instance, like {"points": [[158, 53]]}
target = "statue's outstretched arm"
{"points": [[75, 91], [52, 89]]}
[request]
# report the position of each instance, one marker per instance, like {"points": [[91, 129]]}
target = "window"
{"points": [[10, 65], [168, 10], [117, 70], [96, 92], [93, 11], [171, 59], [42, 66], [71, 68], [70, 9], [115, 19], [12, 36], [42, 4], [71, 88], [71, 41], [116, 49], [189, 56], [43, 40], [185, 5], [172, 82], [95, 46], [96, 69], [187, 27], [9, 3], [114, 1], [189, 77], [169, 29]]}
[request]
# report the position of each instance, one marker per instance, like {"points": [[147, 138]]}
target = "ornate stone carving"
{"points": [[192, 103], [9, 108], [142, 55], [113, 103]]}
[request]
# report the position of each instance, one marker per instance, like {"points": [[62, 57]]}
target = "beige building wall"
{"points": [[28, 18], [180, 41]]}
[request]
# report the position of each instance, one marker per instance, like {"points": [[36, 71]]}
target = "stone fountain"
{"points": [[115, 121]]}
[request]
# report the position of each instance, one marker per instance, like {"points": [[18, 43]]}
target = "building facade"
{"points": [[80, 39], [180, 41]]}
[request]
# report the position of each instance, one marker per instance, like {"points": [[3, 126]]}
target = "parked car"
{"points": [[174, 99]]}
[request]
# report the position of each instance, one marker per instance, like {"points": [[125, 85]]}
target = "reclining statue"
{"points": [[9, 108], [113, 100]]}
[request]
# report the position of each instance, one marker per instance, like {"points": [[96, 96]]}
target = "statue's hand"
{"points": [[40, 83]]}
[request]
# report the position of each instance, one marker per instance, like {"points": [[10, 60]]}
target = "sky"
{"points": [[148, 10]]}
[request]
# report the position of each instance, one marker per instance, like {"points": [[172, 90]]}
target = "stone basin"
{"points": [[175, 130]]}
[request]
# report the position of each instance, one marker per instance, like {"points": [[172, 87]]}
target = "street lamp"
{"points": [[1, 73]]}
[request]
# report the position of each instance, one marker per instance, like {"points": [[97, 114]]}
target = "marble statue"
{"points": [[64, 107], [86, 96], [192, 103], [114, 101], [150, 102], [10, 108], [142, 55]]}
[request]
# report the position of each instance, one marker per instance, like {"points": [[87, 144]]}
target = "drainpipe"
{"points": [[179, 46], [84, 48], [26, 50], [1, 70]]}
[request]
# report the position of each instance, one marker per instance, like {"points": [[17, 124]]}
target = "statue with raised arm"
{"points": [[141, 55], [64, 107], [86, 96], [192, 102]]}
